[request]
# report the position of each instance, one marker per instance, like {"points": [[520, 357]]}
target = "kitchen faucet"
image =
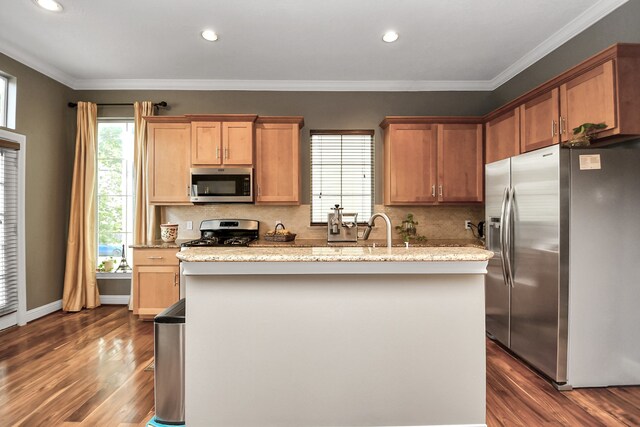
{"points": [[387, 221]]}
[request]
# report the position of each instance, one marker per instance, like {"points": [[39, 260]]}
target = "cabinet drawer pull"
{"points": [[155, 257], [433, 190]]}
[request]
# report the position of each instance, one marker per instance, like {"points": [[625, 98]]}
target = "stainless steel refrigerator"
{"points": [[563, 288]]}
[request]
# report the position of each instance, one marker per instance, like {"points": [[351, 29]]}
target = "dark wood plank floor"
{"points": [[88, 369]]}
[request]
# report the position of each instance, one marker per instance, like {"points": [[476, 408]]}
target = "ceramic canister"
{"points": [[169, 232]]}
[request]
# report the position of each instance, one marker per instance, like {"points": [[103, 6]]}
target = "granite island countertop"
{"points": [[305, 243], [308, 243], [334, 254]]}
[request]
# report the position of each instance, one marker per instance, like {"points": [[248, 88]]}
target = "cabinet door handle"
{"points": [[175, 279], [226, 153], [217, 152], [188, 190], [155, 257], [433, 190], [440, 190], [259, 190], [553, 128], [562, 122]]}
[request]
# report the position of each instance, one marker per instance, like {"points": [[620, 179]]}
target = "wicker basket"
{"points": [[272, 236]]}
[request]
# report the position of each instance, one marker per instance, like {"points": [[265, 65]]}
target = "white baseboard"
{"points": [[38, 312], [114, 299], [43, 310]]}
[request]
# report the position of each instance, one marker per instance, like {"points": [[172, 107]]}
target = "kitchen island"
{"points": [[324, 336]]}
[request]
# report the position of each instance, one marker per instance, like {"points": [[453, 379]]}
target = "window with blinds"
{"points": [[341, 173], [8, 229]]}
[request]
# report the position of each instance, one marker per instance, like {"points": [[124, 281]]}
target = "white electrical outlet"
{"points": [[189, 225], [467, 224]]}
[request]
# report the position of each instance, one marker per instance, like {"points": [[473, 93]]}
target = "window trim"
{"points": [[4, 105], [367, 132], [9, 116]]}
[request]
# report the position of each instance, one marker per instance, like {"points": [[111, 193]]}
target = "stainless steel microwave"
{"points": [[221, 185]]}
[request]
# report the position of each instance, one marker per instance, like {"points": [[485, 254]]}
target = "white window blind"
{"points": [[8, 230], [341, 173]]}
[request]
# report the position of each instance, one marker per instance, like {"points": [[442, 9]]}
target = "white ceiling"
{"points": [[291, 44]]}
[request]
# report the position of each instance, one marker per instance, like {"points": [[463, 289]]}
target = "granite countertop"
{"points": [[159, 244], [333, 254], [429, 243], [313, 243]]}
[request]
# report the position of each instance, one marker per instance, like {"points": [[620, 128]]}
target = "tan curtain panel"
{"points": [[80, 286], [144, 223]]}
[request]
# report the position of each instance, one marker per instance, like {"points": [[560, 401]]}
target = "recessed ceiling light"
{"points": [[390, 36], [51, 5], [209, 35]]}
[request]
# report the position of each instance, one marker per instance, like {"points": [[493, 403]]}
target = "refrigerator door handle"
{"points": [[508, 236], [502, 236]]}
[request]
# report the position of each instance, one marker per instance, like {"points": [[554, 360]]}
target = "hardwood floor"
{"points": [[87, 369], [82, 369]]}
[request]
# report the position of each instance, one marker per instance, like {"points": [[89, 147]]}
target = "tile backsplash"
{"points": [[434, 222]]}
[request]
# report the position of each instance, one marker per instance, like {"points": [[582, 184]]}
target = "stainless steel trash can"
{"points": [[169, 364]]}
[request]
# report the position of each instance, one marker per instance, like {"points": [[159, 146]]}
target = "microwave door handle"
{"points": [[502, 236]]}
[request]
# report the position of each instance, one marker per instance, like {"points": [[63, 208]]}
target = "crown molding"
{"points": [[38, 65], [587, 18], [284, 85], [573, 28]]}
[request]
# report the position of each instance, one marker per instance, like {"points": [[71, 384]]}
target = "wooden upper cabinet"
{"points": [[589, 98], [237, 143], [169, 149], [503, 136], [604, 88], [221, 139], [410, 164], [206, 143], [460, 166], [278, 161], [539, 122]]}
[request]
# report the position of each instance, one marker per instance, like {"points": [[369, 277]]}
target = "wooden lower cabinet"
{"points": [[156, 281]]}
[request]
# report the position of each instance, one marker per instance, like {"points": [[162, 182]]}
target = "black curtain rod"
{"points": [[161, 104]]}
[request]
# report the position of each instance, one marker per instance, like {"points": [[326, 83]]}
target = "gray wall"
{"points": [[622, 25], [49, 126], [321, 110], [42, 116]]}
